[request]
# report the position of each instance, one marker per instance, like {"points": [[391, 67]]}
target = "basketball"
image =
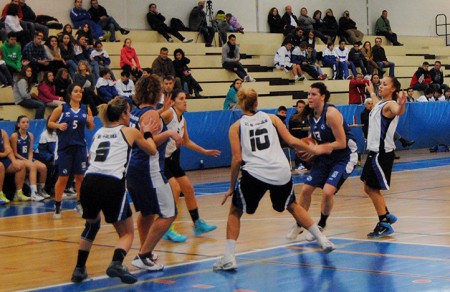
{"points": [[303, 155]]}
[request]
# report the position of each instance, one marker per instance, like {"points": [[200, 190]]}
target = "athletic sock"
{"points": [[194, 215], [40, 187], [230, 247], [323, 220], [387, 210], [119, 255], [145, 255], [33, 188], [314, 230], [383, 218], [57, 207], [82, 258]]}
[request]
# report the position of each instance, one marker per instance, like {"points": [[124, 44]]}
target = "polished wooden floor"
{"points": [[37, 251]]}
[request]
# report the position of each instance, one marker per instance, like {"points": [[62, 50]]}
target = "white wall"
{"points": [[408, 17]]}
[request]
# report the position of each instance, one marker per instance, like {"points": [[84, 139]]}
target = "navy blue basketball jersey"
{"points": [[23, 145], [76, 123], [2, 143]]}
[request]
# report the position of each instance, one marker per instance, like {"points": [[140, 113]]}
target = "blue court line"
{"points": [[356, 265]]}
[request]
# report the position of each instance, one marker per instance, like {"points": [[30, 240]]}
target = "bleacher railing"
{"points": [[441, 21]]}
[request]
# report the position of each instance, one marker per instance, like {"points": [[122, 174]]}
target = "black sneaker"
{"points": [[382, 229], [79, 274], [118, 270]]}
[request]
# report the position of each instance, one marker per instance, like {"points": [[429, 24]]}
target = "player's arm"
{"points": [[396, 109], [162, 137], [335, 122], [236, 160], [7, 149], [373, 95], [52, 121], [195, 147], [30, 149], [90, 124], [13, 143], [145, 144]]}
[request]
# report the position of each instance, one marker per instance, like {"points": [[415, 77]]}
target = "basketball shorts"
{"points": [[377, 170]]}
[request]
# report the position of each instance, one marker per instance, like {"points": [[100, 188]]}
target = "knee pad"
{"points": [[90, 231]]}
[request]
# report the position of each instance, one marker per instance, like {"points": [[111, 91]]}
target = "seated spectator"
{"points": [[427, 96], [300, 56], [233, 23], [438, 96], [197, 22], [437, 75], [12, 23], [182, 71], [283, 61], [83, 53], [22, 143], [67, 29], [357, 58], [86, 31], [230, 102], [23, 95], [45, 153], [163, 66], [9, 164], [311, 57], [357, 89], [127, 56], [68, 53], [274, 21], [100, 16], [231, 58], [383, 27], [26, 25], [289, 21], [307, 24], [30, 16], [47, 91], [368, 104], [105, 86], [80, 16], [156, 22], [330, 59], [342, 53], [330, 26], [348, 29], [12, 54], [35, 56], [367, 52], [53, 54], [311, 39], [222, 26], [379, 57], [282, 114], [5, 76], [101, 58], [125, 87], [84, 78], [376, 84], [295, 37], [165, 102], [447, 94], [409, 95], [62, 82], [146, 71], [421, 79]]}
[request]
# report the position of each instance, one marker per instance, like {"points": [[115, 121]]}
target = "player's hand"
{"points": [[177, 138], [370, 88], [322, 149], [149, 125], [62, 127], [401, 97], [212, 152], [227, 194]]}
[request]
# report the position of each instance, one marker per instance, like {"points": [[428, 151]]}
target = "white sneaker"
{"points": [[310, 237], [69, 194], [188, 40], [327, 246], [170, 40], [44, 194], [246, 78], [79, 209], [147, 264], [251, 79], [35, 197], [57, 215], [294, 232], [296, 79], [225, 263], [301, 78]]}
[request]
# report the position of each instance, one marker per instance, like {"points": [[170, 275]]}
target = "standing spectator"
{"points": [[234, 25], [437, 75], [274, 21], [344, 63], [125, 87], [379, 56], [409, 95], [12, 23], [53, 54], [100, 16], [367, 52], [47, 91], [283, 61], [231, 58], [163, 66], [12, 54], [230, 101], [23, 95], [101, 58], [156, 22], [67, 53], [289, 20], [30, 16], [62, 82], [348, 29], [307, 24], [127, 56], [357, 89], [358, 59], [421, 79], [383, 27], [330, 25], [331, 60], [80, 16], [182, 71], [36, 57], [197, 22]]}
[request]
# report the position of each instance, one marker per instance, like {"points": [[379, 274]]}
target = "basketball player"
{"points": [[256, 150], [103, 188], [376, 175], [69, 121], [178, 179], [330, 171]]}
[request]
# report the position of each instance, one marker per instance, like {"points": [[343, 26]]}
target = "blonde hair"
{"points": [[113, 110], [247, 98]]}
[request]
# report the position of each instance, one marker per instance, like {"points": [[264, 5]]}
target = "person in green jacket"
{"points": [[383, 28], [12, 54], [231, 98]]}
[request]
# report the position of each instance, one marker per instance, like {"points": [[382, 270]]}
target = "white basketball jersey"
{"points": [[177, 126], [381, 129], [262, 154], [109, 153]]}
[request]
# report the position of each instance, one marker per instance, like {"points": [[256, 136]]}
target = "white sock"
{"points": [[314, 230], [40, 186], [230, 247], [33, 188]]}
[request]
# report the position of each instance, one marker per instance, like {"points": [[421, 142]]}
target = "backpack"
{"points": [[178, 25]]}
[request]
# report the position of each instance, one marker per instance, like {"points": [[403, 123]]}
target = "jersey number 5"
{"points": [[102, 151], [259, 140]]}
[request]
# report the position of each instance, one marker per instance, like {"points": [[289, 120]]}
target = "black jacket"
{"points": [[378, 54], [345, 24], [28, 13], [97, 13], [275, 23], [155, 20]]}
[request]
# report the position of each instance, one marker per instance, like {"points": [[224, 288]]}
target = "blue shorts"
{"points": [[72, 161], [332, 172], [6, 162], [150, 200]]}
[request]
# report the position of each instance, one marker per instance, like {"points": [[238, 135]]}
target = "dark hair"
{"points": [[60, 72], [148, 70], [163, 49], [178, 51], [175, 92], [169, 77], [234, 82], [438, 90], [125, 73], [271, 11], [23, 75], [231, 36], [47, 42], [13, 9], [151, 4], [299, 101], [425, 63], [148, 90], [342, 41], [12, 34], [65, 29], [447, 89], [16, 127], [397, 85], [281, 108], [125, 41], [436, 62], [45, 79], [428, 90], [104, 71], [303, 45], [113, 110], [70, 88], [317, 12], [228, 15], [98, 43], [329, 44], [322, 89]]}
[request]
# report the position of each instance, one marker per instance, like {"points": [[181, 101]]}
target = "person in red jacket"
{"points": [[127, 56], [421, 79], [357, 89], [47, 91]]}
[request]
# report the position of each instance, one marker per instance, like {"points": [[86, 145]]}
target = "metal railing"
{"points": [[441, 21]]}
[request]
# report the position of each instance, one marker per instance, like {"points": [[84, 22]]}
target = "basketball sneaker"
{"points": [[173, 235], [391, 218], [79, 274], [327, 246], [118, 270], [310, 237], [35, 197], [225, 263], [382, 229], [44, 194], [148, 264], [19, 196], [3, 199], [57, 215], [201, 227], [294, 232], [79, 209]]}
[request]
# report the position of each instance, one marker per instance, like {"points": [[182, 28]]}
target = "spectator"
{"points": [[357, 89], [35, 56], [357, 58], [298, 126], [5, 76], [348, 29], [84, 78], [233, 23], [125, 87], [53, 54], [438, 96], [45, 153], [62, 82], [367, 52], [67, 29], [101, 58], [437, 75], [383, 27], [30, 16], [12, 54], [163, 66], [146, 71], [342, 54], [368, 104], [182, 71], [428, 95], [156, 22], [127, 56], [80, 16], [283, 61], [447, 94], [295, 37], [274, 21], [197, 22], [83, 53], [230, 102], [26, 25], [222, 26], [409, 95], [331, 60], [421, 79], [379, 57], [311, 40], [105, 86], [300, 56], [47, 91], [86, 31], [307, 24], [23, 95], [100, 16], [231, 58], [289, 20], [68, 54], [12, 23], [312, 60], [330, 25]]}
